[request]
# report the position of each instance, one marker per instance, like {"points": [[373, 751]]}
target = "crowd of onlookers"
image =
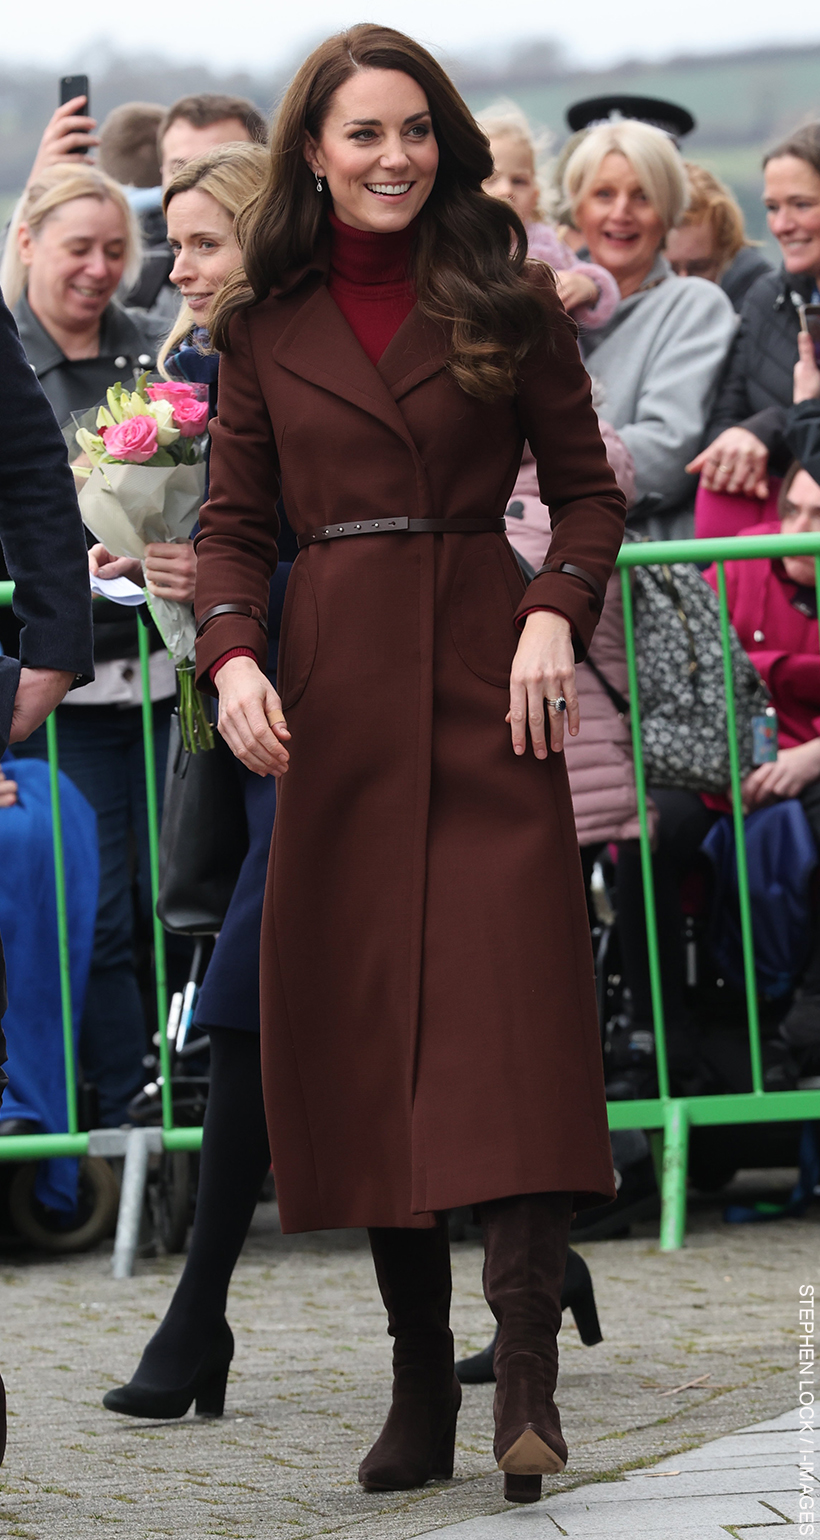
{"points": [[708, 394]]}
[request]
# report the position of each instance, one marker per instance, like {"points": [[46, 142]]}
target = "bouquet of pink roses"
{"points": [[145, 480]]}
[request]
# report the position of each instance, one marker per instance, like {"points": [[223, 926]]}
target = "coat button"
{"points": [[120, 363], [759, 637], [144, 359]]}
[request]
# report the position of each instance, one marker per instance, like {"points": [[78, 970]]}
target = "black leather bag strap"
{"points": [[618, 700]]}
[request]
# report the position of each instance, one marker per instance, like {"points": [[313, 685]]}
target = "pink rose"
{"points": [[172, 390], [134, 440], [191, 417]]}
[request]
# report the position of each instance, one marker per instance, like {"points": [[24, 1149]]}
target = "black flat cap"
{"points": [[674, 120]]}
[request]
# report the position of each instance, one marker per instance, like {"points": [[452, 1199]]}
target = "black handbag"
{"points": [[203, 839]]}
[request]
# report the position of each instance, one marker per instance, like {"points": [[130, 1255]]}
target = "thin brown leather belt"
{"points": [[403, 526]]}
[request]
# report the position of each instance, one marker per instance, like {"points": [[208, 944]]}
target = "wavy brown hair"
{"points": [[469, 250]]}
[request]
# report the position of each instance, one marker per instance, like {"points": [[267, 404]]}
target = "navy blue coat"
{"points": [[229, 996]]}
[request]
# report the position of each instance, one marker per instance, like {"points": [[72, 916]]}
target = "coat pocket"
{"points": [[299, 635], [486, 593]]}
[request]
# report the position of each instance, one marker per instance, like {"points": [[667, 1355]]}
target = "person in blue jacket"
{"points": [[43, 547], [188, 1357]]}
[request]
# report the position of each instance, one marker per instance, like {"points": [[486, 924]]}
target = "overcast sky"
{"points": [[261, 33]]}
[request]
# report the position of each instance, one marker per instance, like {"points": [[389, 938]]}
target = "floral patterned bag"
{"points": [[680, 682]]}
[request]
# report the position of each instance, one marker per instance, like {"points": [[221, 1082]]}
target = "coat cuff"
{"points": [[228, 633], [568, 596]]}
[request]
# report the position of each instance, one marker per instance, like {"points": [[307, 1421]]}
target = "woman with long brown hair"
{"points": [[429, 1031]]}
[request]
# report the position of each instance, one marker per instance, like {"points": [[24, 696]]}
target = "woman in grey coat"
{"points": [[656, 363]]}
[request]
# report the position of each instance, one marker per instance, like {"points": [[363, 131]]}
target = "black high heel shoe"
{"points": [[577, 1295], [206, 1387]]}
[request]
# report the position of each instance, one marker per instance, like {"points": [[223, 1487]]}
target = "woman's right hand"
{"points": [[103, 565], [68, 130], [251, 719], [737, 462]]}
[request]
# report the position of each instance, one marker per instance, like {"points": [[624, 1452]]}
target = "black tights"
{"points": [[234, 1162]]}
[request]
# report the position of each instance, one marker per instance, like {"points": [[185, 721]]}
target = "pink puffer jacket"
{"points": [[545, 245], [599, 760]]}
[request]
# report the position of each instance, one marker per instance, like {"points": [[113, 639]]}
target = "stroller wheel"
{"points": [[173, 1198], [98, 1197]]}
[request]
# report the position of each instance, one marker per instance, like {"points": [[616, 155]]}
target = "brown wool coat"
{"points": [[429, 1030]]}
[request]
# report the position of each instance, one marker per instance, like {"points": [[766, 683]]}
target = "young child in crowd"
{"points": [[588, 291]]}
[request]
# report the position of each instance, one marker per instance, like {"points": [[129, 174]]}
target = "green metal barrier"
{"points": [[72, 1142], [674, 1116]]}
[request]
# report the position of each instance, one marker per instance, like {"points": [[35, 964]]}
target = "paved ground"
{"points": [[311, 1383], [740, 1486]]}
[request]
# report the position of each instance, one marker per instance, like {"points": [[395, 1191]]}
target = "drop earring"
{"points": [[318, 181]]}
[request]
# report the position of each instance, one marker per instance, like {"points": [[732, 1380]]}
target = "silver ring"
{"points": [[559, 704]]}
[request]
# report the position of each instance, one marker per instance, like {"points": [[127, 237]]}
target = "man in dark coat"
{"points": [[43, 546]]}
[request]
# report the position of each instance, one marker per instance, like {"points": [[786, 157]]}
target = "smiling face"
{"points": [[201, 236], [622, 229], [513, 176], [75, 262], [791, 193], [377, 151]]}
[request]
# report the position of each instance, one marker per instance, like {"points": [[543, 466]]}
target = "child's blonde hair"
{"points": [[505, 120]]}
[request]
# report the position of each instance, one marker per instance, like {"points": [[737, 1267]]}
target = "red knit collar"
{"points": [[370, 256]]}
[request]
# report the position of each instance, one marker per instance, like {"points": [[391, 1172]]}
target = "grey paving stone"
{"points": [[311, 1384]]}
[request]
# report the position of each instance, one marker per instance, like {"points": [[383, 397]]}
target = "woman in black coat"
{"points": [[746, 431]]}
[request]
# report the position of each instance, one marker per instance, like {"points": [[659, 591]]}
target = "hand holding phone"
{"points": [[69, 132]]}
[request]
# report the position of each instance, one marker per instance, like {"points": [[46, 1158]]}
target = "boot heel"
{"points": [[522, 1489], [578, 1296], [445, 1456], [210, 1398], [585, 1315]]}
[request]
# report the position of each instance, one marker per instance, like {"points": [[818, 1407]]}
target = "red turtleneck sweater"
{"points": [[369, 282]]}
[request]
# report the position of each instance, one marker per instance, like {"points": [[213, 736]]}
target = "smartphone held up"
{"points": [[72, 86]]}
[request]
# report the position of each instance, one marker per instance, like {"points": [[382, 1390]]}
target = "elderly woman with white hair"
{"points": [[655, 365]]}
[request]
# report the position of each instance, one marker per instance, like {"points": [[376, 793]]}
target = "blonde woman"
{"points": [[188, 1357], [656, 363], [73, 240], [588, 291]]}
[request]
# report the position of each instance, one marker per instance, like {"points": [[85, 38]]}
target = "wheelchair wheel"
{"points": [[98, 1197], [172, 1199]]}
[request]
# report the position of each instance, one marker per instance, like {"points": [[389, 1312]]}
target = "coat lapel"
{"points": [[416, 352], [319, 346]]}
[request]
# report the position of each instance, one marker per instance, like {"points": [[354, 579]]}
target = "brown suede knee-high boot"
{"points": [[525, 1242], [417, 1440]]}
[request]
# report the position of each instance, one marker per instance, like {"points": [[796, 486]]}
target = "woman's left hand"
{"points": [[543, 669], [576, 289], [170, 570], [785, 776], [806, 372]]}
